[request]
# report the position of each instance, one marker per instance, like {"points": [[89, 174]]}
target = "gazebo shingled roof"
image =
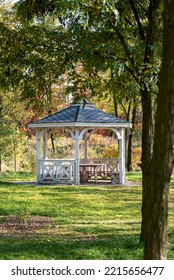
{"points": [[80, 113]]}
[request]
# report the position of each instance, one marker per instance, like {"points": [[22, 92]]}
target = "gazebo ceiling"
{"points": [[80, 114]]}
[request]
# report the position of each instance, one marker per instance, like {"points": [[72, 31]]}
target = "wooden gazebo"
{"points": [[80, 120]]}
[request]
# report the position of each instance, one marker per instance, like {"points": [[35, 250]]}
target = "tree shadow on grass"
{"points": [[97, 248]]}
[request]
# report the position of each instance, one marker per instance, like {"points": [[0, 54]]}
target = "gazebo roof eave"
{"points": [[80, 124]]}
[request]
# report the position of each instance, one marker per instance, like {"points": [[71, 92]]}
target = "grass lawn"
{"points": [[70, 222]]}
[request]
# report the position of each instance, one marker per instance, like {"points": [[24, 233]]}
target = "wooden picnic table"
{"points": [[87, 170]]}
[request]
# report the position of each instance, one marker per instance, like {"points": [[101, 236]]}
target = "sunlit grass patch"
{"points": [[16, 176], [135, 176]]}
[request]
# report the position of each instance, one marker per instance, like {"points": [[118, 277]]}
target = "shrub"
{"points": [[136, 158], [110, 152]]}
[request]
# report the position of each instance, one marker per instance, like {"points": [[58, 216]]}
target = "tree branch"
{"points": [[140, 28], [153, 10], [132, 73], [125, 46]]}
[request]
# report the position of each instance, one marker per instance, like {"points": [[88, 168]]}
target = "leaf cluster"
{"points": [[105, 39]]}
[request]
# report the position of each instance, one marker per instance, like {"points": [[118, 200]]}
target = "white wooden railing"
{"points": [[54, 170], [63, 170]]}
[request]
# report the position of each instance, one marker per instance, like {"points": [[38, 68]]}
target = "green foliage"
{"points": [[27, 9], [22, 215], [77, 45], [14, 145], [104, 37]]}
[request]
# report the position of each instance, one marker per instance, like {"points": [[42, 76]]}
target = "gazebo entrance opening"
{"points": [[79, 122], [99, 157]]}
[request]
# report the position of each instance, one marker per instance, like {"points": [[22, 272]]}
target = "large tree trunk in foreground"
{"points": [[147, 131], [155, 237], [0, 131], [146, 154]]}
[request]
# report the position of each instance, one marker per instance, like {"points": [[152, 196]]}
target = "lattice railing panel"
{"points": [[55, 170]]}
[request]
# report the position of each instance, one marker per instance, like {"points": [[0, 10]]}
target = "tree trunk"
{"points": [[52, 143], [15, 157], [0, 161], [155, 237], [130, 138], [115, 105], [0, 131], [147, 130], [146, 153]]}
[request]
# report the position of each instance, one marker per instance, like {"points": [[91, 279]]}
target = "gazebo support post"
{"points": [[45, 139], [86, 145], [122, 156], [38, 139], [77, 156]]}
